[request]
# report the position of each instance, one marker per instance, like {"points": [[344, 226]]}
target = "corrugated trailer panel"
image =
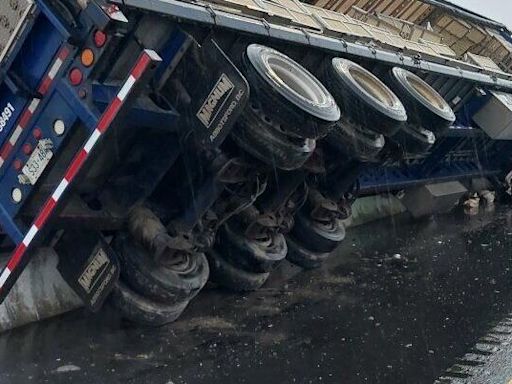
{"points": [[344, 6], [387, 6], [454, 35], [418, 14]]}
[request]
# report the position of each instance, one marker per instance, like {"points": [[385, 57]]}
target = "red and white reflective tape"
{"points": [[146, 58], [29, 111]]}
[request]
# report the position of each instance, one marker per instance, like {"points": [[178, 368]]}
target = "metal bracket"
{"points": [[266, 25], [210, 9]]}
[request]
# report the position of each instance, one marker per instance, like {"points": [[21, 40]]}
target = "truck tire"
{"points": [[355, 141], [227, 275], [289, 92], [303, 257], [257, 134], [167, 284], [364, 97], [315, 236], [425, 106], [140, 310], [415, 139], [251, 255]]}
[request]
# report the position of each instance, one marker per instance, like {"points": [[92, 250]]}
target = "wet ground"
{"points": [[400, 303]]}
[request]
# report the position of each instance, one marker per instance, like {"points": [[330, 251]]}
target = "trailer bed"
{"points": [[234, 19]]}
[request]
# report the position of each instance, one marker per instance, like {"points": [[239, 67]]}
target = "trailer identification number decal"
{"points": [[6, 116], [215, 100]]}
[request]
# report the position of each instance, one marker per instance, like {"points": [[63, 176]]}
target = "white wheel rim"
{"points": [[293, 81]]}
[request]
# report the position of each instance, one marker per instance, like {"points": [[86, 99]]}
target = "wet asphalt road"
{"points": [[398, 304]]}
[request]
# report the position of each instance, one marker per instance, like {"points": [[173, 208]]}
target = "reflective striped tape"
{"points": [[74, 167], [29, 111]]}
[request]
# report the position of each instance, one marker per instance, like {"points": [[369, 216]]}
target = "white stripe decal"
{"points": [[153, 55], [55, 68], [1, 161], [33, 105], [30, 235], [60, 189], [92, 140], [16, 135], [126, 88], [4, 276]]}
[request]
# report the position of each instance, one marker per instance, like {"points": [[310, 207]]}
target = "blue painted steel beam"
{"points": [[89, 116], [9, 227], [379, 179], [143, 113]]}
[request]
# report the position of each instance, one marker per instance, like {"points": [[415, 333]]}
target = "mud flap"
{"points": [[218, 92], [88, 265]]}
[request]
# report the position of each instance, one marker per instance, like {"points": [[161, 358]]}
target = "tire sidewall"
{"points": [[141, 273], [232, 277], [141, 310], [315, 238], [419, 110], [357, 104], [248, 254], [263, 141], [302, 257], [299, 117], [347, 138]]}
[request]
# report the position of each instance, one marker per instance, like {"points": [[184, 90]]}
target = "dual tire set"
{"points": [[401, 111], [290, 109], [155, 292], [291, 115]]}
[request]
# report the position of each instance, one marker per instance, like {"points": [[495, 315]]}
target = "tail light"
{"points": [[75, 76], [100, 38]]}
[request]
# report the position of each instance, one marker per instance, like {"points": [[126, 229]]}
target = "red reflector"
{"points": [[37, 133], [27, 149], [17, 164], [75, 76], [100, 38]]}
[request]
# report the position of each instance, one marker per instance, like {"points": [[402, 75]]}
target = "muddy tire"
{"points": [[303, 257], [415, 140], [364, 97], [355, 141], [262, 137], [251, 255], [229, 276], [140, 310], [289, 93], [315, 236], [158, 282], [425, 106]]}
